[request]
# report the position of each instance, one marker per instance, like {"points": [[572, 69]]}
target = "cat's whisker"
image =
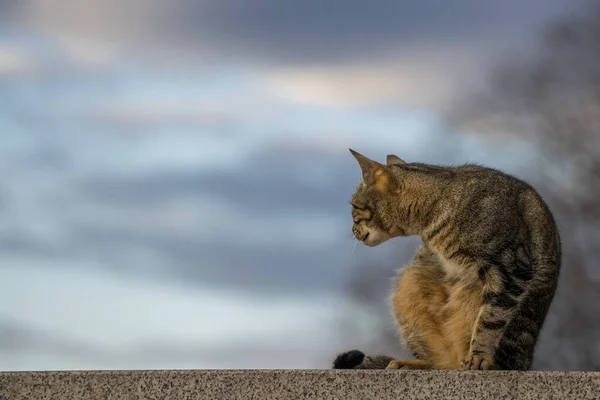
{"points": [[354, 247]]}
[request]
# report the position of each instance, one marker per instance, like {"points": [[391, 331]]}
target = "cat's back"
{"points": [[506, 192], [488, 208], [483, 197], [488, 185]]}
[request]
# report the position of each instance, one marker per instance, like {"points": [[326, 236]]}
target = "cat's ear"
{"points": [[374, 173], [367, 165], [394, 159]]}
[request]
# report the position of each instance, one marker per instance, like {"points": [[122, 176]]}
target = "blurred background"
{"points": [[175, 175]]}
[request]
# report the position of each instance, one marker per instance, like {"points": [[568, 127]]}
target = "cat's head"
{"points": [[374, 203]]}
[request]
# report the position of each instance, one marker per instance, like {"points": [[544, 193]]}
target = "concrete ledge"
{"points": [[298, 384]]}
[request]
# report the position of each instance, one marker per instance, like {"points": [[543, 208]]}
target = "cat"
{"points": [[478, 291]]}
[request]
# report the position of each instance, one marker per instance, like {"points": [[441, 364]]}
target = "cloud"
{"points": [[352, 30], [258, 225], [91, 31], [154, 114], [14, 61], [417, 79], [410, 53], [151, 322], [309, 31]]}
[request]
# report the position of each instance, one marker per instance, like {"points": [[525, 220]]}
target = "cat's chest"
{"points": [[457, 271], [457, 268]]}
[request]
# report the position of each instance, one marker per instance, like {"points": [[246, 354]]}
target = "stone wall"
{"points": [[298, 384]]}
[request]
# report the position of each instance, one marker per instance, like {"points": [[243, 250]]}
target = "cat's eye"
{"points": [[357, 205]]}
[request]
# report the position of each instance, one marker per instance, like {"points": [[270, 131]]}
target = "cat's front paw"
{"points": [[409, 364], [396, 364], [478, 362]]}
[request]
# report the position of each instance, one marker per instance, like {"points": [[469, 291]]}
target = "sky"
{"points": [[175, 176]]}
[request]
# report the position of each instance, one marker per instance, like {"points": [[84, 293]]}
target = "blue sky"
{"points": [[174, 176]]}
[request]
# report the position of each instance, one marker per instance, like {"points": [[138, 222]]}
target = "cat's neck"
{"points": [[423, 200]]}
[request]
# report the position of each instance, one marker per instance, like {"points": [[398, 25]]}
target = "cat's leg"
{"points": [[459, 314], [501, 298], [409, 364], [418, 301]]}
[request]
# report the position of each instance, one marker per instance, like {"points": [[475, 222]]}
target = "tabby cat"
{"points": [[478, 291]]}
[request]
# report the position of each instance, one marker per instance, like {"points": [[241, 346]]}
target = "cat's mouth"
{"points": [[365, 236]]}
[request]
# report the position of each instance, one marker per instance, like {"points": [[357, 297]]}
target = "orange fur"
{"points": [[435, 316]]}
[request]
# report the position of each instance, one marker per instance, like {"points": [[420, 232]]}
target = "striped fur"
{"points": [[478, 291]]}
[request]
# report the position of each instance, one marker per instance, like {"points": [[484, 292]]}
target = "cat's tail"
{"points": [[355, 359]]}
